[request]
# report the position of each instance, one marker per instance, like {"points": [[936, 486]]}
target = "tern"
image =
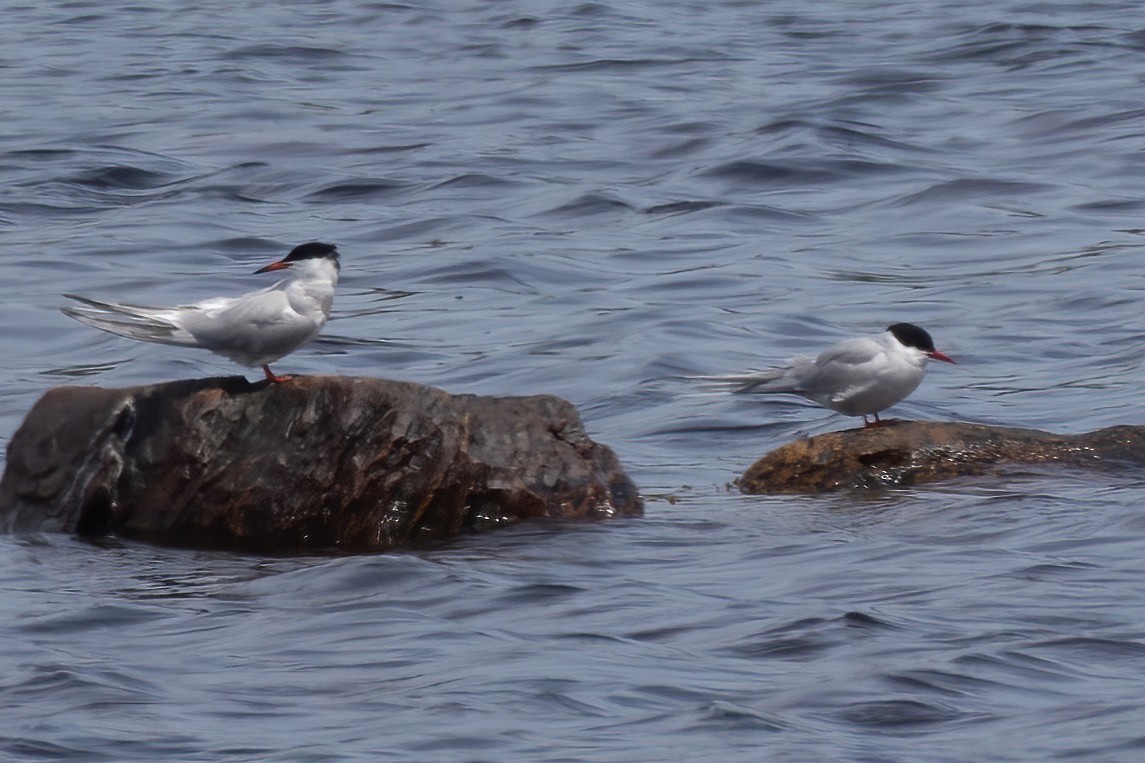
{"points": [[253, 329], [856, 377]]}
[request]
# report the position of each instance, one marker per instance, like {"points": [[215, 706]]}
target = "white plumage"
{"points": [[856, 377], [253, 329]]}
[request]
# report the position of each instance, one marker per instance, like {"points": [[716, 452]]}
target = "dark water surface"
{"points": [[595, 200]]}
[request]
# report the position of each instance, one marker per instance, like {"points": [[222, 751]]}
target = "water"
{"points": [[595, 200]]}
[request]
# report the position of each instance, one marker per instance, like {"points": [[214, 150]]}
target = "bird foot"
{"points": [[273, 378]]}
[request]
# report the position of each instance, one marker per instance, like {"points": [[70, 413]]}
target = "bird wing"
{"points": [[851, 352], [766, 381], [253, 329], [143, 323], [842, 369], [223, 316]]}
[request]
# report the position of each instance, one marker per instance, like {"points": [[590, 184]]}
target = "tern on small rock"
{"points": [[856, 377]]}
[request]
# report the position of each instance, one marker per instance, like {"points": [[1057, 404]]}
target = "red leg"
{"points": [[272, 378]]}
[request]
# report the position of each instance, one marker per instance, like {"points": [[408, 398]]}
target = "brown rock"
{"points": [[914, 452], [316, 463]]}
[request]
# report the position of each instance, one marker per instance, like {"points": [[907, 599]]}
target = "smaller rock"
{"points": [[901, 453]]}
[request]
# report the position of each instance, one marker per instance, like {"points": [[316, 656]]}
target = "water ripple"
{"points": [[597, 200]]}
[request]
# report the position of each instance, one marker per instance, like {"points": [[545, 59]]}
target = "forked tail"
{"points": [[773, 380], [145, 324]]}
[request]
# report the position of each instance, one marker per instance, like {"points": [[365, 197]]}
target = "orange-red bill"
{"points": [[280, 265]]}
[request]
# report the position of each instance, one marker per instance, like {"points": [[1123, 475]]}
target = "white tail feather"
{"points": [[141, 323], [772, 380]]}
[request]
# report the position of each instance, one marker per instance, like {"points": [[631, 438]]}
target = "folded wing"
{"points": [[143, 323]]}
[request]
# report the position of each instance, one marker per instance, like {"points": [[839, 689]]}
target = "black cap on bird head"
{"points": [[910, 335], [310, 251]]}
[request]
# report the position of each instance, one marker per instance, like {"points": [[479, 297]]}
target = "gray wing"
{"points": [[253, 329], [762, 382], [806, 375], [143, 323], [256, 309], [852, 353], [841, 369]]}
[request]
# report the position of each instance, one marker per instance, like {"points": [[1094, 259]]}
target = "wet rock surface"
{"points": [[904, 453], [316, 463]]}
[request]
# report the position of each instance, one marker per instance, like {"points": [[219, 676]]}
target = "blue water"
{"points": [[597, 200]]}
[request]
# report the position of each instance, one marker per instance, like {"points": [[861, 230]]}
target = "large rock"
{"points": [[316, 463], [913, 452]]}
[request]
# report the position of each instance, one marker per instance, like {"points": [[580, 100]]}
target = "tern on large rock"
{"points": [[254, 329]]}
